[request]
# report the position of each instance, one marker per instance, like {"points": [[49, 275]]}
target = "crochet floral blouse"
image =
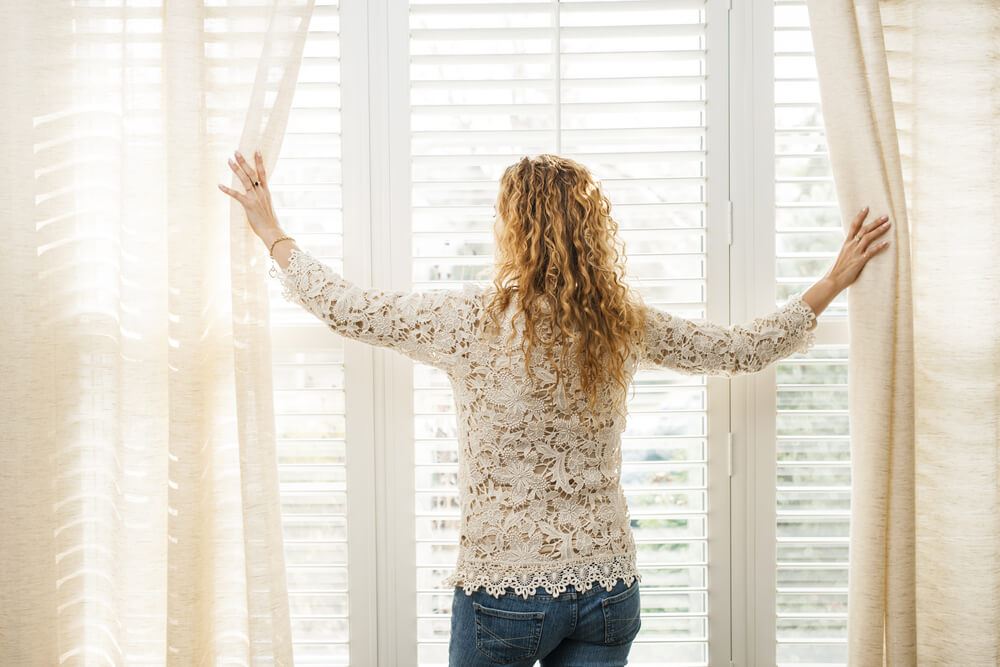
{"points": [[538, 474]]}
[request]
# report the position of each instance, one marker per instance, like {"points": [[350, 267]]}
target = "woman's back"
{"points": [[539, 471]]}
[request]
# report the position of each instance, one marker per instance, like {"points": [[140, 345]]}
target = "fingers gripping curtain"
{"points": [[138, 478], [911, 106]]}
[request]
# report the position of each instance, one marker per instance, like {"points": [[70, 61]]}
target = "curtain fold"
{"points": [[137, 469], [264, 129], [910, 105]]}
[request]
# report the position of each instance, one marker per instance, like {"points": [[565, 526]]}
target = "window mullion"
{"points": [[391, 243], [359, 379], [717, 310]]}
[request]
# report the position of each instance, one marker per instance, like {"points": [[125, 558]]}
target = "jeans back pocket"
{"points": [[621, 615], [507, 636]]}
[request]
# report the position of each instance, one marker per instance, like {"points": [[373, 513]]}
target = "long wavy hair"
{"points": [[557, 246]]}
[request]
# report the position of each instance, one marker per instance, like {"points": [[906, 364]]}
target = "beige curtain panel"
{"points": [[911, 106], [141, 522]]}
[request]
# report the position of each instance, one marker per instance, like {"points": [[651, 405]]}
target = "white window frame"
{"points": [[752, 266], [359, 359], [752, 290]]}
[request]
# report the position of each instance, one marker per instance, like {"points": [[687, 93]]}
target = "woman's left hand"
{"points": [[256, 200]]}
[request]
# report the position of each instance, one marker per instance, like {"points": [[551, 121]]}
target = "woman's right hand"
{"points": [[858, 248]]}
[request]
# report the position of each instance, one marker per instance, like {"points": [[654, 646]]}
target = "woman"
{"points": [[539, 363]]}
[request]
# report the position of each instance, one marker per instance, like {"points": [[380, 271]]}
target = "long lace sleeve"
{"points": [[425, 326], [696, 346]]}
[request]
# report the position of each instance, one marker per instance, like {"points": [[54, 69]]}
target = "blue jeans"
{"points": [[593, 628]]}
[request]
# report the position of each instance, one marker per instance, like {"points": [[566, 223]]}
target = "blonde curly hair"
{"points": [[558, 245]]}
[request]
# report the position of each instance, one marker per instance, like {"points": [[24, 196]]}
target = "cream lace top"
{"points": [[538, 474]]}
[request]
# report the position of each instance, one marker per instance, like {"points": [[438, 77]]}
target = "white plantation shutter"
{"points": [[309, 360], [628, 88], [813, 475]]}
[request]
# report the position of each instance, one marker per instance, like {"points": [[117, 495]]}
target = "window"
{"points": [[395, 187]]}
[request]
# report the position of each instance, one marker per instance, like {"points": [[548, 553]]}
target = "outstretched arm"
{"points": [[424, 326], [697, 347], [703, 347]]}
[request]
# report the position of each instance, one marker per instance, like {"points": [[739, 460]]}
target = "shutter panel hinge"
{"points": [[729, 458], [729, 221]]}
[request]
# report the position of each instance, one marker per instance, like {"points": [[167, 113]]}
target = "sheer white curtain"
{"points": [[138, 488], [911, 104]]}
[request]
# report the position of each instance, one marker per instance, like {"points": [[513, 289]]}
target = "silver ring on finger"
{"points": [[857, 239]]}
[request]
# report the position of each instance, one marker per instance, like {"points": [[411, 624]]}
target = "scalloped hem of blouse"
{"points": [[495, 578]]}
